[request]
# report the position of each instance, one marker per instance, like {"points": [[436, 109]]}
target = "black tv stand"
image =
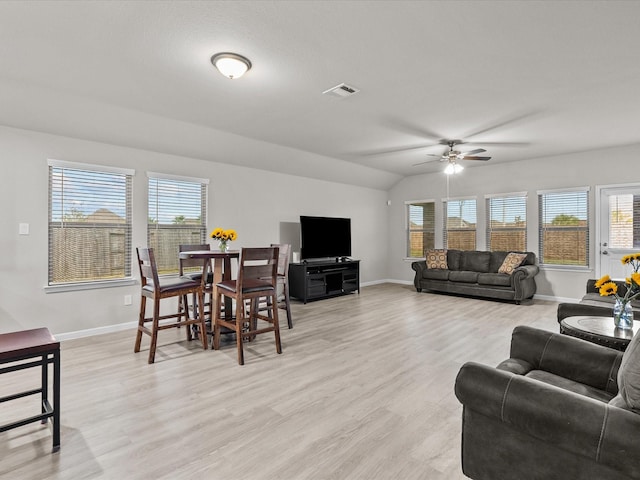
{"points": [[311, 280]]}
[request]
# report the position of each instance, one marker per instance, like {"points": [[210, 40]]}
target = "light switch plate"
{"points": [[23, 229]]}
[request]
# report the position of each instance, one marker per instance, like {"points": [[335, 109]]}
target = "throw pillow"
{"points": [[629, 376], [511, 262], [436, 258]]}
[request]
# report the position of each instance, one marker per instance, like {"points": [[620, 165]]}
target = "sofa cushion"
{"points": [[496, 261], [436, 258], [435, 274], [495, 279], [453, 259], [629, 376], [475, 261], [463, 276], [511, 262]]}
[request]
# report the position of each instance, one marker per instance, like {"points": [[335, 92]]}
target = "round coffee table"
{"points": [[600, 330]]}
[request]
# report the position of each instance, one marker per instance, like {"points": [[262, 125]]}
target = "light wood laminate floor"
{"points": [[363, 390]]}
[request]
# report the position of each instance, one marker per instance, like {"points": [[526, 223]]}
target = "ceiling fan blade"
{"points": [[500, 123], [388, 151], [500, 144], [434, 155], [427, 161], [472, 152], [477, 158]]}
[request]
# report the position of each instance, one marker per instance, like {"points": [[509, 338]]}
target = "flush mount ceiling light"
{"points": [[231, 65]]}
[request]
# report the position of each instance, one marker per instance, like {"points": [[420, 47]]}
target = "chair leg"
{"points": [[203, 326], [185, 312], [276, 324], [287, 304], [240, 317], [217, 316], [143, 304], [154, 329]]}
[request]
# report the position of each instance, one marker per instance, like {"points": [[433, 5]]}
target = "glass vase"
{"points": [[623, 315], [223, 246]]}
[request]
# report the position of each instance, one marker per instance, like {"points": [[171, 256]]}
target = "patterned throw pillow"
{"points": [[511, 262], [436, 258]]}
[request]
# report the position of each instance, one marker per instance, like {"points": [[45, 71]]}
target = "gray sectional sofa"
{"points": [[475, 273]]}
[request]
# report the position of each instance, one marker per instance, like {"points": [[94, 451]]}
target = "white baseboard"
{"points": [[95, 331]]}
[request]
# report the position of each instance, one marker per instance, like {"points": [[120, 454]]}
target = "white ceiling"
{"points": [[552, 77]]}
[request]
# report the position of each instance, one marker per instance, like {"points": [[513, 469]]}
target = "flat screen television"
{"points": [[324, 237]]}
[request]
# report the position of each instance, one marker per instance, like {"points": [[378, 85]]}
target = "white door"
{"points": [[619, 213]]}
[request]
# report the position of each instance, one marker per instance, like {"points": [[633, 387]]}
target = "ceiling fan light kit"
{"points": [[453, 168]]}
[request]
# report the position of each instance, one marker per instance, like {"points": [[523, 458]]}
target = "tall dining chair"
{"points": [[195, 268], [157, 289], [257, 278], [283, 282]]}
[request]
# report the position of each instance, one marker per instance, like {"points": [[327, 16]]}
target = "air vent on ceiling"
{"points": [[343, 90]]}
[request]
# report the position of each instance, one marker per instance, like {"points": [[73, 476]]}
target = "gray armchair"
{"points": [[545, 414]]}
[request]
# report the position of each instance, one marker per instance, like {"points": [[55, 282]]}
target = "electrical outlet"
{"points": [[128, 300]]}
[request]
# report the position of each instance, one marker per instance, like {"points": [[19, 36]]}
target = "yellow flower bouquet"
{"points": [[223, 237], [622, 312]]}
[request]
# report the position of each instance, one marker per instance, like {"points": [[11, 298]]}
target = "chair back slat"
{"points": [[258, 263], [283, 258], [147, 265]]}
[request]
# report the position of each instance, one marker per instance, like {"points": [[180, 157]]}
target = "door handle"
{"points": [[604, 252]]}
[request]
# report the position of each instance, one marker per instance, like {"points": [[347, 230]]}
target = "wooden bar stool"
{"points": [[284, 301], [196, 269], [156, 289], [257, 278], [17, 348]]}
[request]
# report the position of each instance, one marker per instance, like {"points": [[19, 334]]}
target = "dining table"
{"points": [[219, 264]]}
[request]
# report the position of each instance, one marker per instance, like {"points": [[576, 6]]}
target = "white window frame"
{"points": [[127, 278], [586, 229], [408, 204], [166, 257], [445, 219], [488, 199]]}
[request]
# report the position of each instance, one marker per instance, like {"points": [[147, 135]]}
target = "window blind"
{"points": [[177, 215], [420, 228], [564, 228], [624, 221], [89, 224], [460, 224], [507, 223]]}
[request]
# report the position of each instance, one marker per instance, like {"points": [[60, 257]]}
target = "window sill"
{"points": [[414, 259], [73, 287], [565, 268]]}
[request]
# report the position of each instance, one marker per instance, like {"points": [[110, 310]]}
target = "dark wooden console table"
{"points": [[17, 348], [599, 330]]}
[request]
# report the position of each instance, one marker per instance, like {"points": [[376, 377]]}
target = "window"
{"points": [[460, 224], [624, 221], [177, 215], [507, 222], [89, 223], [421, 227], [564, 227]]}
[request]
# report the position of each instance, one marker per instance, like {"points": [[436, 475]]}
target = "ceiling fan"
{"points": [[453, 156]]}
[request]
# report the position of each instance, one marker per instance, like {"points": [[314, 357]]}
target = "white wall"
{"points": [[254, 202], [604, 167]]}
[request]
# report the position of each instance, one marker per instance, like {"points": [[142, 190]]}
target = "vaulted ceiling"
{"points": [[519, 79]]}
